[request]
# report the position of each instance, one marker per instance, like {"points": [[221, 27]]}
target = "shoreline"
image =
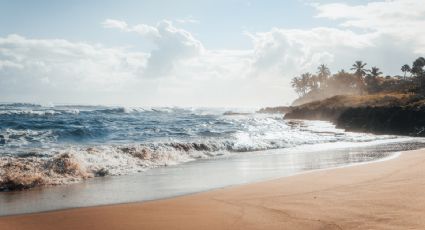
{"points": [[393, 156], [216, 204], [396, 114], [145, 188]]}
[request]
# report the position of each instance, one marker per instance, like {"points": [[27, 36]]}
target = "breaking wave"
{"points": [[73, 165], [66, 144]]}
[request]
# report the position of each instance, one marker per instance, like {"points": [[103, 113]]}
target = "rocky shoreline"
{"points": [[401, 114], [396, 120]]}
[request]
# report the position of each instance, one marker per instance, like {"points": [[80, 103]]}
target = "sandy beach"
{"points": [[381, 195]]}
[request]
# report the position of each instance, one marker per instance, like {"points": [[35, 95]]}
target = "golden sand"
{"points": [[382, 195]]}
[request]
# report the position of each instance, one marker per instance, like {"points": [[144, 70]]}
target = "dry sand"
{"points": [[383, 195]]}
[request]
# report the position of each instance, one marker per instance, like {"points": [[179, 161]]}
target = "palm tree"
{"points": [[323, 73], [372, 79], [296, 84], [418, 71], [405, 68], [359, 69], [302, 83], [417, 67], [359, 72], [374, 72], [308, 83]]}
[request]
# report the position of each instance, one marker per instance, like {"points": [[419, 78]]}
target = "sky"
{"points": [[221, 53]]}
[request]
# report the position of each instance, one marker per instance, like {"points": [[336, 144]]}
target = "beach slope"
{"points": [[382, 195]]}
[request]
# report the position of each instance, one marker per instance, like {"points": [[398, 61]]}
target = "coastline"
{"points": [[383, 194], [396, 114], [199, 176]]}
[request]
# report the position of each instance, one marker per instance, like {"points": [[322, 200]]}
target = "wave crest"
{"points": [[24, 173], [69, 166]]}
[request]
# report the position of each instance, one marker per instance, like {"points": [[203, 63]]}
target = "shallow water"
{"points": [[201, 175]]}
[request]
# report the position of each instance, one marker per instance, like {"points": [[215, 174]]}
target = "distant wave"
{"points": [[128, 110], [19, 105], [30, 112], [121, 110], [50, 112]]}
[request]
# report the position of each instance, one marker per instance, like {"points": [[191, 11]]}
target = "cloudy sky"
{"points": [[233, 53]]}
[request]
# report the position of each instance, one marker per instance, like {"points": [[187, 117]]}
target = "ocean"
{"points": [[67, 143], [106, 154]]}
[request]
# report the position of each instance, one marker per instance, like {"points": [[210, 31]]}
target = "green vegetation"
{"points": [[361, 81]]}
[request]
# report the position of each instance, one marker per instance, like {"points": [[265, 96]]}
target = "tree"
{"points": [[302, 83], [323, 74], [296, 84], [343, 83], [374, 72], [308, 81], [405, 68], [305, 83], [372, 79], [321, 85], [359, 69], [418, 67], [419, 73], [359, 72]]}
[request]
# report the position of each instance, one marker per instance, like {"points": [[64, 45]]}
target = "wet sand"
{"points": [[381, 195]]}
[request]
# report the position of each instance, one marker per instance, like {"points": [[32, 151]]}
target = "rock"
{"points": [[230, 113], [279, 109], [101, 172], [379, 114]]}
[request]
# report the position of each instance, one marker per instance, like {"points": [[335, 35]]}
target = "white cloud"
{"points": [[60, 71], [292, 51], [401, 19], [142, 29], [180, 70], [384, 33], [172, 44], [46, 67], [117, 24]]}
